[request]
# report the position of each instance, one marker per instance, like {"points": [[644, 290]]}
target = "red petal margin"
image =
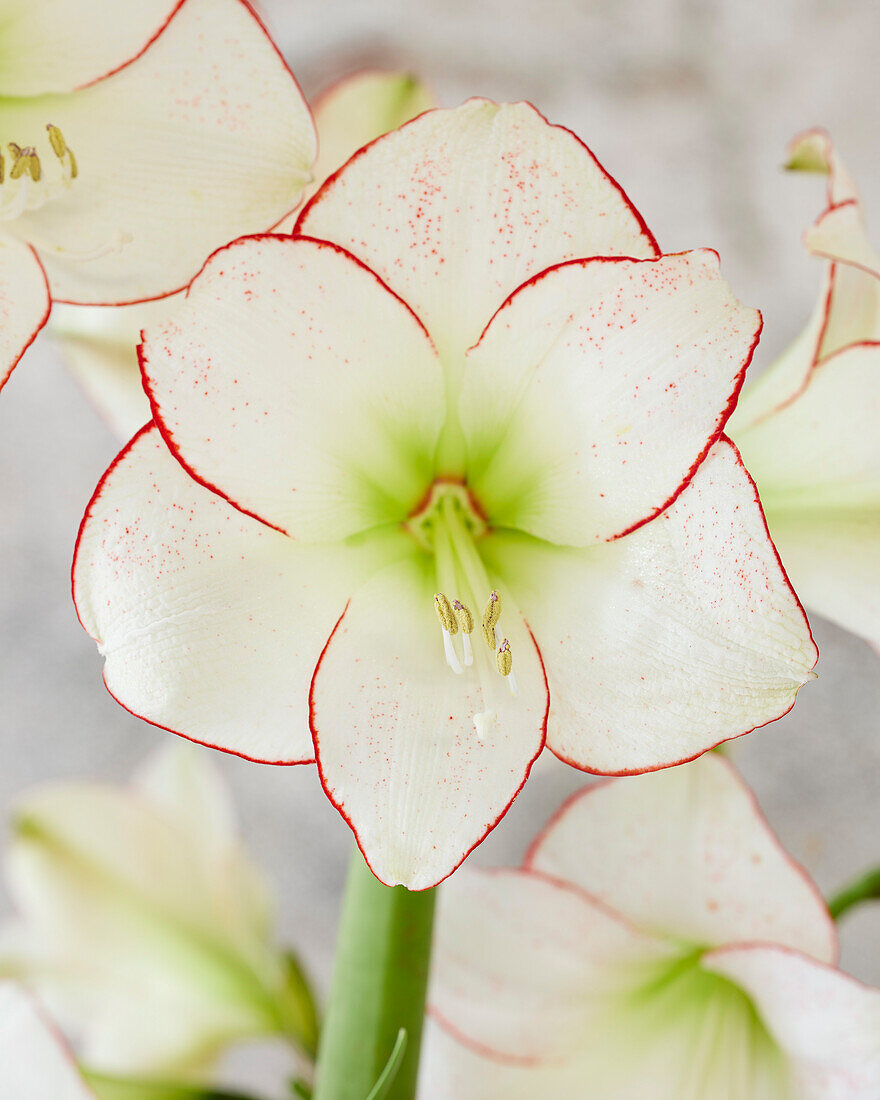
{"points": [[341, 807], [105, 76], [4, 378], [650, 240], [105, 477], [533, 850], [147, 381]]}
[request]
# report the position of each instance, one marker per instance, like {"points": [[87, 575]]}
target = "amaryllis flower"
{"points": [[657, 944], [100, 345], [35, 1062], [143, 922], [380, 520], [136, 142], [807, 428]]}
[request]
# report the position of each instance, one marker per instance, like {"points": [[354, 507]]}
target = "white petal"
{"points": [[24, 303], [598, 388], [205, 137], [35, 1062], [527, 968], [210, 622], [55, 45], [827, 1023], [460, 207], [99, 345], [398, 750], [665, 642], [702, 864], [292, 380]]}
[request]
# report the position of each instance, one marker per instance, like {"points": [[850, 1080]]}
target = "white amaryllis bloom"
{"points": [[35, 1062], [807, 428], [142, 921], [380, 522], [100, 345], [135, 139], [658, 944]]}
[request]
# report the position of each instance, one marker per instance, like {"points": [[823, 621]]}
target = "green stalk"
{"points": [[380, 981], [107, 1087], [864, 888]]}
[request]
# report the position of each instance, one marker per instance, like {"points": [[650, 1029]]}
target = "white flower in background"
{"points": [[658, 944], [460, 422], [35, 1062], [807, 428], [142, 921], [100, 345], [136, 138]]}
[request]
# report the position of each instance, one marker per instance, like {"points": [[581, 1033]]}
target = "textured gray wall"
{"points": [[689, 103]]}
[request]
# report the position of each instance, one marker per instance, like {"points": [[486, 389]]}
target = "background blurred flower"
{"points": [[807, 428], [143, 922], [658, 943], [100, 345], [138, 142], [370, 456], [35, 1063]]}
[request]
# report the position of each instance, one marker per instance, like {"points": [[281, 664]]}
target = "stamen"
{"points": [[24, 160], [466, 623], [61, 150], [504, 658], [490, 617], [449, 625]]}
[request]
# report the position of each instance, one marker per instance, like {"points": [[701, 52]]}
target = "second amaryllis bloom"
{"points": [[438, 480]]}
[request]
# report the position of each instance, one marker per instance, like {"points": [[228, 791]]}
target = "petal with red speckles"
{"points": [[460, 207], [421, 762], [204, 137], [210, 622], [294, 383], [702, 864], [597, 389], [665, 642]]}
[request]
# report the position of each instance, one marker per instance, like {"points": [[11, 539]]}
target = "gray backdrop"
{"points": [[689, 103]]}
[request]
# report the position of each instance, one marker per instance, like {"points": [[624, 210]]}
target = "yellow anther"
{"points": [[490, 618], [504, 658], [24, 160], [61, 149], [445, 614], [464, 616]]}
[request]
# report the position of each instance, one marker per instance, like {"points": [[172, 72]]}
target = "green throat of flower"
{"points": [[450, 526]]}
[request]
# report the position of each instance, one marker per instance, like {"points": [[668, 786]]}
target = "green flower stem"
{"points": [[107, 1087], [864, 888], [296, 1008], [379, 986]]}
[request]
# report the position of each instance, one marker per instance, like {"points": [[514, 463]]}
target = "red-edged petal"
{"points": [[204, 138], [293, 383], [597, 390], [24, 303], [702, 864], [458, 208], [663, 643], [210, 622], [827, 1023], [398, 748]]}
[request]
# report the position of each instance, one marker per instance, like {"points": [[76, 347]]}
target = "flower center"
{"points": [[450, 525], [29, 181]]}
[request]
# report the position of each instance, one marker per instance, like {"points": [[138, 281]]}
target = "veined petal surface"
{"points": [[294, 383], [663, 643], [210, 622], [203, 138], [56, 45], [598, 388], [460, 207], [396, 730], [702, 864]]}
